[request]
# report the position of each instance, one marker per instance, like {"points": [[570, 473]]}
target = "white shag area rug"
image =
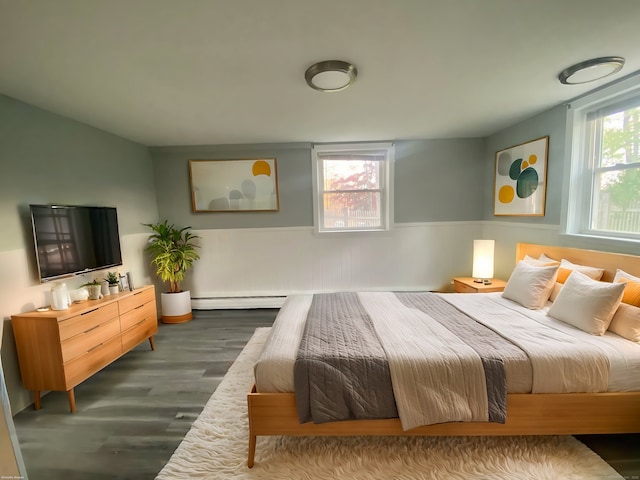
{"points": [[216, 448]]}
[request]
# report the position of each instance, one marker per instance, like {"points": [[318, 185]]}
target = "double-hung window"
{"points": [[352, 187], [604, 191]]}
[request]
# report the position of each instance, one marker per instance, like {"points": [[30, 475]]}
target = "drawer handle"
{"points": [[93, 348], [90, 311], [140, 322], [92, 328], [139, 306]]}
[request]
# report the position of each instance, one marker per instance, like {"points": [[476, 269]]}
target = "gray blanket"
{"points": [[341, 370]]}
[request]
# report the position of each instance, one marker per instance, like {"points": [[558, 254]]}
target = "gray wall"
{"points": [[439, 180], [435, 180], [47, 158]]}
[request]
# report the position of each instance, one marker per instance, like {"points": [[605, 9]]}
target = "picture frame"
{"points": [[130, 281], [124, 283], [244, 185], [520, 180]]}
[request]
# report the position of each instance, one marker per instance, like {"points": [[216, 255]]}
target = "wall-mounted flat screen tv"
{"points": [[70, 240]]}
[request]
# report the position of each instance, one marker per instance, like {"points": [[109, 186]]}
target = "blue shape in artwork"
{"points": [[527, 182], [514, 171]]}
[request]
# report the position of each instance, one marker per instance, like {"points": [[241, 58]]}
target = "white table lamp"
{"points": [[483, 261]]}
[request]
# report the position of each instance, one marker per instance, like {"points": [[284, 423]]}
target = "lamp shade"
{"points": [[483, 258]]}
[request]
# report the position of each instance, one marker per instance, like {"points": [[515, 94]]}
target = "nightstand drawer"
{"points": [[460, 287], [468, 285]]}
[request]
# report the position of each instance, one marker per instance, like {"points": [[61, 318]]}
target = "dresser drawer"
{"points": [[84, 342], [136, 300], [134, 316], [139, 332], [82, 367], [85, 321]]}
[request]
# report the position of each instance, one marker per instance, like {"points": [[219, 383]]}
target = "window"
{"points": [[604, 191], [352, 187]]}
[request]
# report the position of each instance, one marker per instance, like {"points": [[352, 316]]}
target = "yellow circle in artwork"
{"points": [[533, 159], [260, 167], [506, 194]]}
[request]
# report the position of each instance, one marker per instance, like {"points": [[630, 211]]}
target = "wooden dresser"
{"points": [[59, 349]]}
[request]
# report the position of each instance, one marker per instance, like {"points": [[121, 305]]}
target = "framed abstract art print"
{"points": [[521, 179], [247, 185]]}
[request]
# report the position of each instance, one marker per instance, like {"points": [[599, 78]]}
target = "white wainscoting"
{"points": [[241, 268]]}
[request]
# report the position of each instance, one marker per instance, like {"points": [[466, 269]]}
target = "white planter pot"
{"points": [[176, 307], [114, 289]]}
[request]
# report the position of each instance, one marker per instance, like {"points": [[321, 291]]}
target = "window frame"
{"points": [[385, 187], [581, 165]]}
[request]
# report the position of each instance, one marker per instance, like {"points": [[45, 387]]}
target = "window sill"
{"points": [[352, 233], [602, 241]]}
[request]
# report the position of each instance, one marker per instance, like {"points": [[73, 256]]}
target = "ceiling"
{"points": [[203, 72]]}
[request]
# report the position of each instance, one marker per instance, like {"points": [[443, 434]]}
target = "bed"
{"points": [[273, 410]]}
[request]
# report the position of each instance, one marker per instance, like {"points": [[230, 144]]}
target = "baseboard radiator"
{"points": [[223, 303]]}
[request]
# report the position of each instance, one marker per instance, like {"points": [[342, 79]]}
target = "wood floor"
{"points": [[131, 416]]}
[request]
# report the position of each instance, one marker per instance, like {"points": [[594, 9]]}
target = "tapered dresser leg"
{"points": [[72, 400], [151, 342], [36, 399]]}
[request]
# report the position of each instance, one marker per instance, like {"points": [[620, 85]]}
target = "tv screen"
{"points": [[70, 240]]}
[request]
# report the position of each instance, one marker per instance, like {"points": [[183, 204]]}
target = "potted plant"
{"points": [[94, 288], [113, 279], [173, 252]]}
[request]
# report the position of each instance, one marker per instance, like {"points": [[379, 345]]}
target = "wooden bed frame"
{"points": [[527, 414]]}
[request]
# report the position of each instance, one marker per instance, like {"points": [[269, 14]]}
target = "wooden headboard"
{"points": [[609, 261]]}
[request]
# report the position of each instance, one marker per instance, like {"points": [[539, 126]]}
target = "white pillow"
{"points": [[545, 261], [591, 272], [544, 258], [626, 322], [621, 275], [586, 303], [530, 286], [539, 262], [530, 260]]}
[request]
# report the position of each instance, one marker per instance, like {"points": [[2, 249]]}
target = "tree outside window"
{"points": [[616, 202]]}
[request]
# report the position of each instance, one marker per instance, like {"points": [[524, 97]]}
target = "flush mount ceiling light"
{"points": [[331, 75], [591, 70]]}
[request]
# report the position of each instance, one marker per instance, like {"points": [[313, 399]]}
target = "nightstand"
{"points": [[468, 285]]}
